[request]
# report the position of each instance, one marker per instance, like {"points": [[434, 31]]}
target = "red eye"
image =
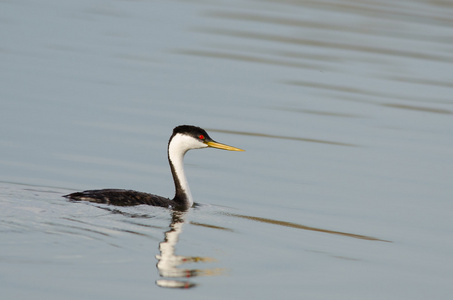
{"points": [[201, 137]]}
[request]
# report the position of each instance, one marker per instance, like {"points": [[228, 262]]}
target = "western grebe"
{"points": [[183, 139]]}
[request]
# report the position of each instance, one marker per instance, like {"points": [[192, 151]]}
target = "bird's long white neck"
{"points": [[179, 176], [177, 147]]}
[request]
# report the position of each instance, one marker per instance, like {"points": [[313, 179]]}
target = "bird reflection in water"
{"points": [[168, 262]]}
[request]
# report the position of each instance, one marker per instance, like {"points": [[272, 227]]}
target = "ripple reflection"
{"points": [[304, 227]]}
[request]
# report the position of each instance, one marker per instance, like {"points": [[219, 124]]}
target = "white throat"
{"points": [[177, 147]]}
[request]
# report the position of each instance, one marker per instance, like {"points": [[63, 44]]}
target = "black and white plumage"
{"points": [[183, 139]]}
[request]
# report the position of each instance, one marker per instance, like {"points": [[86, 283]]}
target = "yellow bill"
{"points": [[221, 146]]}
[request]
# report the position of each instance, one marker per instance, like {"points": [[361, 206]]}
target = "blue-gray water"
{"points": [[345, 111]]}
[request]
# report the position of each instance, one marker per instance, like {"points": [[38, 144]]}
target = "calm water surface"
{"points": [[344, 108]]}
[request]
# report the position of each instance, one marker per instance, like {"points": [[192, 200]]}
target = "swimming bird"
{"points": [[183, 139]]}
